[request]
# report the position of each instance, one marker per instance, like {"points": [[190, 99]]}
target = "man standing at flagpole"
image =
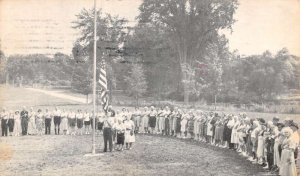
{"points": [[109, 113], [108, 131]]}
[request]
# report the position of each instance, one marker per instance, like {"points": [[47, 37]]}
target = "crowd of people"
{"points": [[272, 144]]}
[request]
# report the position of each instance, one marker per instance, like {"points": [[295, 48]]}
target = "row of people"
{"points": [[30, 122], [119, 130], [274, 145]]}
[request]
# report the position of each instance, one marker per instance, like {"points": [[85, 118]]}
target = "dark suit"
{"points": [[24, 121]]}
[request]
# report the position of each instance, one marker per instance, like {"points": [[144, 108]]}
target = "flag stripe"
{"points": [[103, 84]]}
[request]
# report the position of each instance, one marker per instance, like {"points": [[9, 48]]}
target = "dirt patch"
{"points": [[6, 151]]}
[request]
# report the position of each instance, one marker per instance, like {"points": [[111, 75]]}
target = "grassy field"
{"points": [[15, 98], [152, 155]]}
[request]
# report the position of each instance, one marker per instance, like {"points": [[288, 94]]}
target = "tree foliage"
{"points": [[136, 82], [191, 26]]}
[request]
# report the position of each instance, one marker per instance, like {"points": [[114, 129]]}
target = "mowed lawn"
{"points": [[16, 98], [151, 155]]}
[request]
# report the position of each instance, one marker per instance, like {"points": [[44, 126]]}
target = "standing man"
{"points": [[57, 120], [24, 120], [48, 119], [4, 122], [108, 131]]}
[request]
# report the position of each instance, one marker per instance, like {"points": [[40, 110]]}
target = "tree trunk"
{"points": [[7, 78], [185, 89], [215, 101]]}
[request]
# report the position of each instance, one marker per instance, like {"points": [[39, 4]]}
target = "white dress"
{"points": [[31, 124], [129, 126], [209, 128], [64, 122], [183, 125], [234, 134], [17, 126]]}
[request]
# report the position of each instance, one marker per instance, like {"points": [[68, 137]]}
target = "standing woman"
{"points": [[64, 122], [87, 122], [183, 124], [129, 132], [31, 122], [11, 123], [190, 125], [234, 134], [196, 125], [17, 126], [171, 117], [178, 122], [57, 120], [72, 122], [120, 127], [201, 123], [48, 119], [167, 120], [173, 125], [146, 120], [137, 119], [288, 165], [39, 122], [152, 119], [209, 132], [158, 116], [79, 117], [279, 138]]}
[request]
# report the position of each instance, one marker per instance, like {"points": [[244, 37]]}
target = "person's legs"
{"points": [[23, 126], [26, 126], [6, 129], [55, 124], [49, 126], [270, 160], [105, 138], [2, 127], [110, 140], [58, 124], [46, 126]]}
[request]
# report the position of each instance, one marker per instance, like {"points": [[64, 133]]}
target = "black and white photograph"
{"points": [[149, 87]]}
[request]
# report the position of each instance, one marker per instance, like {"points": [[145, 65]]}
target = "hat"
{"points": [[280, 124], [261, 120], [294, 124], [275, 119]]}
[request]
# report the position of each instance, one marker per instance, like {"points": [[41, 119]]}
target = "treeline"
{"points": [[174, 52], [258, 78]]}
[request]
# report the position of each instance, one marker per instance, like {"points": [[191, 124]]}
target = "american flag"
{"points": [[103, 85]]}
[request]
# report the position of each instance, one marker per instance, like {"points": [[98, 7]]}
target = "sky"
{"points": [[45, 27]]}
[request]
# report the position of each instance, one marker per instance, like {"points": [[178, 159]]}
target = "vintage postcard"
{"points": [[149, 87]]}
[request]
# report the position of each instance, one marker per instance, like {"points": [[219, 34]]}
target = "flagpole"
{"points": [[94, 79]]}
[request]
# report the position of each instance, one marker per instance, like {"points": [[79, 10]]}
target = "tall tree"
{"points": [[136, 82], [2, 66], [191, 25], [110, 36]]}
